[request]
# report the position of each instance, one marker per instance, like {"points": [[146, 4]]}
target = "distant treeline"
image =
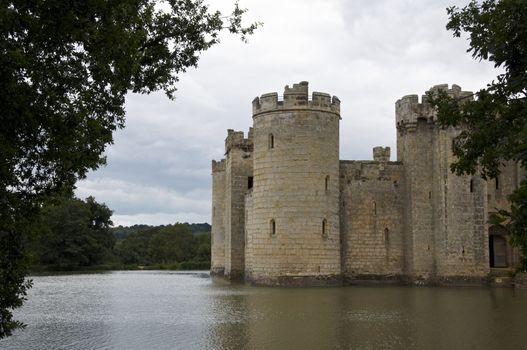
{"points": [[74, 234], [121, 232]]}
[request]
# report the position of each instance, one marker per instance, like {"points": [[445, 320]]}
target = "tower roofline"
{"points": [[409, 109], [295, 98]]}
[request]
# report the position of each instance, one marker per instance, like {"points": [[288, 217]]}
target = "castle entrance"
{"points": [[498, 247]]}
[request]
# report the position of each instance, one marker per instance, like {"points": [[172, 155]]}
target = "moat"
{"points": [[178, 310]]}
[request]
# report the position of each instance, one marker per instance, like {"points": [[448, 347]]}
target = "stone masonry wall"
{"points": [[218, 218], [507, 182], [444, 221], [295, 190], [418, 204], [461, 215], [371, 212], [238, 169]]}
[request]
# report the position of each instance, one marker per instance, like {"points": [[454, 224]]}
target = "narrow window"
{"points": [[386, 235], [272, 227], [374, 208], [324, 227], [430, 195], [327, 183], [471, 186], [250, 182], [271, 141], [497, 183]]}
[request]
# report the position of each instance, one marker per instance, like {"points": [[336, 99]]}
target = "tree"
{"points": [[494, 124], [173, 243], [65, 68], [135, 247], [73, 234]]}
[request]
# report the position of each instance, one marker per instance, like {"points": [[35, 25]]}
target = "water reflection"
{"points": [[168, 310], [368, 318]]}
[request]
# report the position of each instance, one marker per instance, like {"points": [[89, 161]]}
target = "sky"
{"points": [[369, 53]]}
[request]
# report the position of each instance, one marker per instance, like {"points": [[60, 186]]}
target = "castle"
{"points": [[287, 211]]}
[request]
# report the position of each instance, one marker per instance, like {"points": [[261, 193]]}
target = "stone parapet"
{"points": [[296, 97], [408, 109], [236, 139], [381, 154], [218, 165]]}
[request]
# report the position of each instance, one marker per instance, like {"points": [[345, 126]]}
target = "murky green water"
{"points": [[171, 310]]}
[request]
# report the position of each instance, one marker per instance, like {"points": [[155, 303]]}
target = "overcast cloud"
{"points": [[369, 53]]}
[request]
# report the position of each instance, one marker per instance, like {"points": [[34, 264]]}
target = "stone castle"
{"points": [[287, 211]]}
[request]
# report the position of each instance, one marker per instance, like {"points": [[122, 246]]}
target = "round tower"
{"points": [[293, 235]]}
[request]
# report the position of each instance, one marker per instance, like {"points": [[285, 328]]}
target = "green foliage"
{"points": [[199, 228], [495, 122], [135, 248], [121, 232], [65, 68], [162, 246], [76, 235], [73, 234], [171, 243], [13, 285]]}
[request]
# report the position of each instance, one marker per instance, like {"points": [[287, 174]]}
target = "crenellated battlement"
{"points": [[296, 97], [218, 165], [381, 154], [236, 139], [409, 109]]}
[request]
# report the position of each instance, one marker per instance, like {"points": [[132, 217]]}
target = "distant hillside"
{"points": [[121, 232]]}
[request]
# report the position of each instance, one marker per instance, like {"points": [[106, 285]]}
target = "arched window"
{"points": [[272, 227], [271, 141], [326, 186], [324, 227]]}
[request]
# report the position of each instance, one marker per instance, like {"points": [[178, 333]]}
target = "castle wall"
{"points": [[371, 211], [293, 236], [248, 223], [506, 183], [238, 169], [218, 218], [418, 218], [445, 216], [461, 239], [310, 218]]}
